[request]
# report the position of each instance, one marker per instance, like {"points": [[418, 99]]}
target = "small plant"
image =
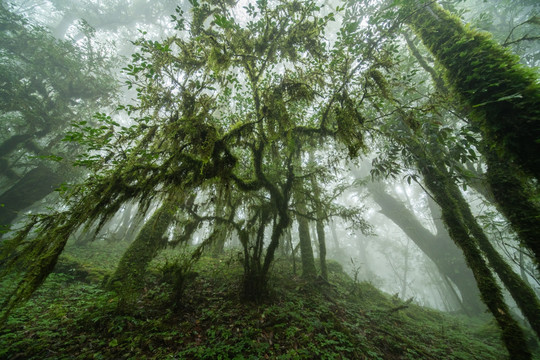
{"points": [[178, 274], [355, 266]]}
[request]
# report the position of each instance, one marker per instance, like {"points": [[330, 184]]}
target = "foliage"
{"points": [[189, 134], [47, 84], [229, 114], [72, 319]]}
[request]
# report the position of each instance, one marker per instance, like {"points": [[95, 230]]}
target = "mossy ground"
{"points": [[70, 317]]}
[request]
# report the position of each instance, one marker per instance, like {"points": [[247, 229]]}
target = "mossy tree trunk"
{"points": [[520, 291], [319, 222], [220, 204], [503, 185], [306, 251], [502, 94], [447, 194], [321, 237], [513, 200], [128, 277], [455, 212], [438, 184]]}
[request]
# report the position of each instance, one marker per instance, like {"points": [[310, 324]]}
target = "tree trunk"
{"points": [[507, 189], [514, 202], [218, 247], [503, 94], [438, 183], [321, 237], [130, 272], [306, 251], [521, 292], [334, 234], [439, 248], [322, 249]]}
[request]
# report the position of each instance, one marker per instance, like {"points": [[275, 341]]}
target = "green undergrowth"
{"points": [[71, 317]]}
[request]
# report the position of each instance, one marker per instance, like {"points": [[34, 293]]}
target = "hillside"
{"points": [[71, 318]]}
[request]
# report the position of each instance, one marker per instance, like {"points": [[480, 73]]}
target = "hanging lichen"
{"points": [[349, 123]]}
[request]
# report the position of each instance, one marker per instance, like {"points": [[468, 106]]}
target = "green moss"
{"points": [[72, 320], [457, 218], [515, 200], [128, 278], [502, 93]]}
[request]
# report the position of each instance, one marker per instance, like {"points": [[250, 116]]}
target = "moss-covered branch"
{"points": [[503, 94]]}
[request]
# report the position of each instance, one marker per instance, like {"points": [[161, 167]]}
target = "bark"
{"points": [[520, 291], [501, 185], [439, 183], [321, 237], [514, 201], [218, 247], [322, 249]]}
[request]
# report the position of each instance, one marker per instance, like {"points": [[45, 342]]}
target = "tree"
{"points": [[48, 84], [306, 251], [504, 183], [502, 93], [188, 132], [438, 247]]}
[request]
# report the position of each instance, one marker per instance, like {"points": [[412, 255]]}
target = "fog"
{"points": [[84, 83]]}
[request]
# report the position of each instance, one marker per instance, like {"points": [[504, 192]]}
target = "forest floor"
{"points": [[71, 317]]}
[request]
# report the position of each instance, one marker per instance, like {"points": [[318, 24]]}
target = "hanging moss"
{"points": [[218, 59], [349, 123], [503, 94], [379, 79], [38, 260]]}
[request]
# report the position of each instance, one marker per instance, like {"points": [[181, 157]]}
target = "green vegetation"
{"points": [[71, 317], [253, 130]]}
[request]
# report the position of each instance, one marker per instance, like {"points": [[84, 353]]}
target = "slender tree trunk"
{"points": [[334, 234], [440, 248], [306, 251], [322, 249], [514, 202], [321, 237], [490, 291], [218, 247], [521, 292]]}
